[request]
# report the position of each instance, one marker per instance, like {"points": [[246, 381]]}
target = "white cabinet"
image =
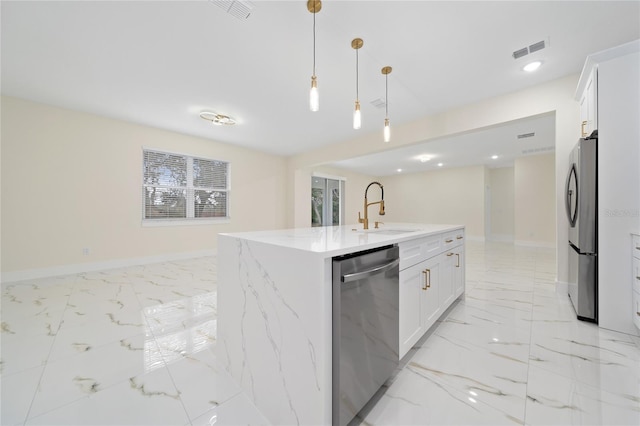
{"points": [[419, 301], [635, 279], [431, 278], [458, 271], [445, 284], [589, 104], [411, 306]]}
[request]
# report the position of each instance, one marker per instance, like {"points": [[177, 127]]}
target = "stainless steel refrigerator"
{"points": [[581, 195]]}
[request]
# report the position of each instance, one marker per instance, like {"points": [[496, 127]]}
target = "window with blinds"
{"points": [[182, 187]]}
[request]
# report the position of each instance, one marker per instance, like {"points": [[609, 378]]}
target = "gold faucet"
{"points": [[365, 220]]}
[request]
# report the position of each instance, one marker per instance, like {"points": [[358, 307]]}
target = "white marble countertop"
{"points": [[328, 241]]}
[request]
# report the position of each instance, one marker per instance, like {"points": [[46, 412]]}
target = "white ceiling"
{"points": [[160, 63], [477, 147]]}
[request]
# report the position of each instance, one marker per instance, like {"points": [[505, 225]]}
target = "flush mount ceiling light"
{"points": [[314, 7], [217, 119], [356, 44], [532, 66], [387, 128]]}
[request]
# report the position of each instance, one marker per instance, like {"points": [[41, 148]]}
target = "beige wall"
{"points": [[72, 180], [554, 97], [501, 182], [257, 179], [535, 204], [449, 196]]}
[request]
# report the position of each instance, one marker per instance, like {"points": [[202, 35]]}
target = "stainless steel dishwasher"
{"points": [[365, 327]]}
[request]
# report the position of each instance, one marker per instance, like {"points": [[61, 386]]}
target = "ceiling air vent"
{"points": [[237, 8], [520, 53], [378, 103], [526, 50], [536, 46], [526, 135], [538, 150]]}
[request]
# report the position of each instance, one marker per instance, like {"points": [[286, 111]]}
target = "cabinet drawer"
{"points": [[636, 309], [636, 275], [635, 247], [415, 251], [452, 239]]}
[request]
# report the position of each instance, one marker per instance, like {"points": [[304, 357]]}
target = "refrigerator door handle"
{"points": [[572, 215]]}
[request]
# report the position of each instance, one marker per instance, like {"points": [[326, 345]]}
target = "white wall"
{"points": [[72, 180], [535, 204], [450, 196], [502, 204]]}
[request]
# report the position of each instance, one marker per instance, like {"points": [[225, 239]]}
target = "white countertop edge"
{"points": [[333, 241]]}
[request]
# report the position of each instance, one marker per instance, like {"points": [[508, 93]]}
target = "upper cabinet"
{"points": [[589, 104]]}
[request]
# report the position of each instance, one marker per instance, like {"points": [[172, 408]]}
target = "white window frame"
{"points": [[190, 220]]}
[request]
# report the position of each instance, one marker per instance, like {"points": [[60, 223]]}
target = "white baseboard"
{"points": [[475, 238], [53, 271], [540, 244], [501, 238], [562, 287]]}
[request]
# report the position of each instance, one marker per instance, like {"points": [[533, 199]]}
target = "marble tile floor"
{"points": [[136, 346]]}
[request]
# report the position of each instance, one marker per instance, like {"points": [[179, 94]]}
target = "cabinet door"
{"points": [[458, 271], [584, 115], [412, 283], [589, 106], [431, 270], [445, 289]]}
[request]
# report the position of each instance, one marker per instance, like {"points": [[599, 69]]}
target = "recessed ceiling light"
{"points": [[532, 66], [424, 158], [440, 164], [217, 119], [494, 157], [399, 170]]}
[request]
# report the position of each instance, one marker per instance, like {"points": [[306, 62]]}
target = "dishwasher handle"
{"points": [[366, 274]]}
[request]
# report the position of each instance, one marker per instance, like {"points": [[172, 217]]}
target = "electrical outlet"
{"points": [[85, 251]]}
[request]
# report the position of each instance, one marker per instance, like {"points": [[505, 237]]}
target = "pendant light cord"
{"points": [[386, 95], [314, 40], [357, 80]]}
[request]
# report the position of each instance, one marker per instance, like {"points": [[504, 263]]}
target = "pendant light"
{"points": [[357, 43], [387, 128], [314, 7]]}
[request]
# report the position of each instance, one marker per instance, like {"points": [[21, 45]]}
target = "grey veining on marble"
{"points": [[138, 346], [271, 332]]}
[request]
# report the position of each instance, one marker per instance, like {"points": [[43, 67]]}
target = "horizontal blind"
{"points": [[182, 187], [162, 169]]}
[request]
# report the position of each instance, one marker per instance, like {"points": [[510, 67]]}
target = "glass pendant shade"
{"points": [[387, 130], [357, 117], [314, 7], [314, 97]]}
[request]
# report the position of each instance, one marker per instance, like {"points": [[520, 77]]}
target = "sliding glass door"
{"points": [[326, 201]]}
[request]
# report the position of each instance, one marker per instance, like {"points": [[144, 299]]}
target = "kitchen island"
{"points": [[275, 306]]}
